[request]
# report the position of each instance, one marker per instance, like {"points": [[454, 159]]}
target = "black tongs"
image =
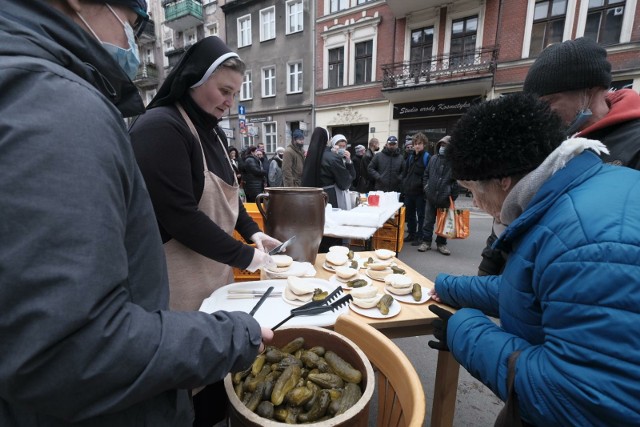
{"points": [[317, 307]]}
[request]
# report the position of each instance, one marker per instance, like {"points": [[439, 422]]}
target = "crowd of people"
{"points": [[112, 237]]}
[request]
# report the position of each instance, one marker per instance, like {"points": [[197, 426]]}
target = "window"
{"points": [[246, 91], [189, 38], [421, 50], [270, 136], [364, 61], [294, 16], [463, 41], [363, 1], [213, 29], [604, 21], [337, 5], [268, 82], [294, 78], [244, 31], [336, 67], [548, 24], [268, 23]]}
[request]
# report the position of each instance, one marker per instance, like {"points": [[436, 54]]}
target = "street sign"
{"points": [[241, 110]]}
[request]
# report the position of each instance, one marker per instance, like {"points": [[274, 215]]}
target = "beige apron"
{"points": [[193, 277]]}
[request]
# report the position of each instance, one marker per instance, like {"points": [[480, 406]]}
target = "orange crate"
{"points": [[244, 275]]}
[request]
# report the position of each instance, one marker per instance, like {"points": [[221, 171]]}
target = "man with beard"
{"points": [[293, 160]]}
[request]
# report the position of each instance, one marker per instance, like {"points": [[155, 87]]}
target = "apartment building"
{"points": [[274, 38], [455, 53]]}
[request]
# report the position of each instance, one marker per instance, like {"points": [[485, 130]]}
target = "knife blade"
{"points": [[281, 247], [251, 296], [262, 298]]}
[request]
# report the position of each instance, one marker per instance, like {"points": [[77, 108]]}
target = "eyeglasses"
{"points": [[140, 24]]}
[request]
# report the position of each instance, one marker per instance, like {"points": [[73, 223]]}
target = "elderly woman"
{"points": [[569, 297], [182, 154]]}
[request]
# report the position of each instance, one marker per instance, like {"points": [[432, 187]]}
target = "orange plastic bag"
{"points": [[452, 223]]}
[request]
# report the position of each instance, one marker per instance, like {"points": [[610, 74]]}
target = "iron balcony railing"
{"points": [[439, 69], [147, 70]]}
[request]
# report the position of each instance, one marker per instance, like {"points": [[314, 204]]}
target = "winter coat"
{"points": [[364, 170], [292, 166], [275, 172], [334, 170], [569, 299], [253, 175], [437, 182], [87, 339], [412, 172], [386, 170]]}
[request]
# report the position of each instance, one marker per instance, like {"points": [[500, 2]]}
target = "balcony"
{"points": [[402, 8], [147, 75], [182, 14], [441, 76]]}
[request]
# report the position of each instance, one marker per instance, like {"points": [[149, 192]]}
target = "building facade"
{"points": [[354, 38], [274, 38], [457, 53]]}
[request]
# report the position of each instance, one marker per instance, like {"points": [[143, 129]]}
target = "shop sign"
{"points": [[258, 119], [436, 107]]}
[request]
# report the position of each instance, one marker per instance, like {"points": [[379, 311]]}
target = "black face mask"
{"points": [[411, 152], [299, 144]]}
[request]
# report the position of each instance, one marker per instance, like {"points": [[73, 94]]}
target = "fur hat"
{"points": [[570, 65], [503, 137], [297, 134]]}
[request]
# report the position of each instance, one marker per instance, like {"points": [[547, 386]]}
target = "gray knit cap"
{"points": [[570, 65]]}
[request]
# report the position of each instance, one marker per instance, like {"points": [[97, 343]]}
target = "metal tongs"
{"points": [[317, 307]]}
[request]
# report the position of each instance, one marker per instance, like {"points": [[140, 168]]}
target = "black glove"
{"points": [[440, 328]]}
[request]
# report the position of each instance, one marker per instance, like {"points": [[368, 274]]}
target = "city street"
{"points": [[476, 405]]}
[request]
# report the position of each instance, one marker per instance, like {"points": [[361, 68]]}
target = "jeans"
{"points": [[414, 207], [429, 223]]}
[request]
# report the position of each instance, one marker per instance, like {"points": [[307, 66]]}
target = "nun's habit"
{"points": [[182, 154]]}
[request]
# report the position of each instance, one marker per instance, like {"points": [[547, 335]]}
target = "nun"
{"points": [[183, 156]]}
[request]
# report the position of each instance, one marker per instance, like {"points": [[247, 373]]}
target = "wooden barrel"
{"points": [[356, 416]]}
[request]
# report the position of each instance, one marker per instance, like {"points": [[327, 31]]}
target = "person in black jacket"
{"points": [[253, 174], [438, 187], [414, 198], [370, 185], [386, 167]]}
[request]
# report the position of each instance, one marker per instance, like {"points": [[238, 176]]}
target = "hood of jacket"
{"points": [[36, 31]]}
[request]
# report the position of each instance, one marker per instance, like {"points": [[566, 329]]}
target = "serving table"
{"points": [[413, 320]]}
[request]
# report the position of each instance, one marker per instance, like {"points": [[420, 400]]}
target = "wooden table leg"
{"points": [[445, 389]]}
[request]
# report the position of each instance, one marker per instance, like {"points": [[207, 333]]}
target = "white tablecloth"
{"points": [[360, 222]]}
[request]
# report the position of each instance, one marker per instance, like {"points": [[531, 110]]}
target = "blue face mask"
{"points": [[578, 122], [341, 151], [441, 150], [128, 59]]}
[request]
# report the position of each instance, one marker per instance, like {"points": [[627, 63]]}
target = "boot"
{"points": [[424, 246], [410, 238], [443, 249]]}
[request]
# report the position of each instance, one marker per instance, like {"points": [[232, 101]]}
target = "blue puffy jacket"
{"points": [[569, 298]]}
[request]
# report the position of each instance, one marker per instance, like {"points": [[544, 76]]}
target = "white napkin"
{"points": [[298, 269]]}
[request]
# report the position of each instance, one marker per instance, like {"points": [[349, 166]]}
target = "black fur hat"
{"points": [[570, 65], [504, 137]]}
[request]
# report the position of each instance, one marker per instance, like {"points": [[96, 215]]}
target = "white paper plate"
{"points": [[318, 283], [333, 280], [408, 298], [374, 312], [274, 309]]}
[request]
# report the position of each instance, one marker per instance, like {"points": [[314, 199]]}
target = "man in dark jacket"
{"points": [[438, 187], [87, 337], [414, 199], [374, 144], [360, 182], [253, 174], [386, 167], [587, 108]]}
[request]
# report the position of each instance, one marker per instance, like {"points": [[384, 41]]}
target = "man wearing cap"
{"points": [[293, 160], [86, 335], [386, 167], [574, 78]]}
